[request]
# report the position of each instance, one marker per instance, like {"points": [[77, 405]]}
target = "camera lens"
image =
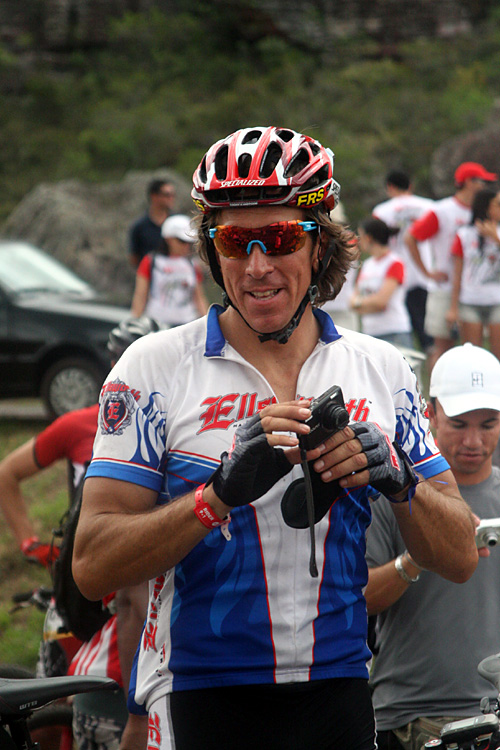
{"points": [[491, 539], [334, 417]]}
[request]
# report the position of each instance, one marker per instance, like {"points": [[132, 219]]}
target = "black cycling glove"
{"points": [[388, 465], [251, 468]]}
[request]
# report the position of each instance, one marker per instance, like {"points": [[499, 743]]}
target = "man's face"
{"points": [[165, 197], [467, 441], [266, 289]]}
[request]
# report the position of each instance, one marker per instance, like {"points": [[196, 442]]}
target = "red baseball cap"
{"points": [[472, 170]]}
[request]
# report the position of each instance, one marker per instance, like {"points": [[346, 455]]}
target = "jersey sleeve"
{"points": [[425, 227], [60, 440], [396, 271], [130, 439], [145, 266], [457, 248]]}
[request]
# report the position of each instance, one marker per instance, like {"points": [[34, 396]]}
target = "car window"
{"points": [[25, 268]]}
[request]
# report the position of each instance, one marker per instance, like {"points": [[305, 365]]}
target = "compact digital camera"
{"points": [[328, 416], [488, 532]]}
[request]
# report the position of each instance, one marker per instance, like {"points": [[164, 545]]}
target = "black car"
{"points": [[53, 330]]}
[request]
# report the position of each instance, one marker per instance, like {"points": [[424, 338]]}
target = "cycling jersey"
{"points": [[241, 607]]}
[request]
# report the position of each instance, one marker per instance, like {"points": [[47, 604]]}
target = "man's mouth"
{"points": [[265, 295]]}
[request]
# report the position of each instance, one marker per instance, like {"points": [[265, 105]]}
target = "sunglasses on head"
{"points": [[281, 238]]}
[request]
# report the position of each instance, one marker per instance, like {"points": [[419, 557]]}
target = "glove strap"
{"points": [[204, 512]]}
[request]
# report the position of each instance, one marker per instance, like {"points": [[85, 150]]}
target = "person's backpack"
{"points": [[80, 616]]}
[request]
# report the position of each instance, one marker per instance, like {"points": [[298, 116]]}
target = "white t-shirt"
{"points": [[395, 318], [400, 212], [440, 226], [480, 283], [173, 281]]}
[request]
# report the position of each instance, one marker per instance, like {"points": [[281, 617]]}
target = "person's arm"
{"points": [[438, 532], [452, 314], [386, 585], [131, 610], [376, 302], [123, 538], [17, 466], [140, 298]]}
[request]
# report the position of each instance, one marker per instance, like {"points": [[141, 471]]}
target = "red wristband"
{"points": [[204, 512]]}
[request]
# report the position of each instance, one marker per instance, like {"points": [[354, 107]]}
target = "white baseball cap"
{"points": [[178, 226], [466, 378]]}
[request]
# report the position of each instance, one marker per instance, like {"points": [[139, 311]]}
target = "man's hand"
{"points": [[390, 471], [36, 552], [256, 462]]}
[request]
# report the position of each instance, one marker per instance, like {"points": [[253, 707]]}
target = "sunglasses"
{"points": [[282, 238]]}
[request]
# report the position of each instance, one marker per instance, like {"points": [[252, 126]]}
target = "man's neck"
{"points": [[479, 476], [157, 215]]}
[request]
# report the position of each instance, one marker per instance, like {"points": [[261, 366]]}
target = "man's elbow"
{"points": [[86, 578], [464, 567]]}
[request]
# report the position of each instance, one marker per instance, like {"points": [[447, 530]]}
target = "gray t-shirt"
{"points": [[432, 639]]}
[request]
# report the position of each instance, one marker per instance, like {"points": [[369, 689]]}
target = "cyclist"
{"points": [[432, 635], [242, 647], [71, 437]]}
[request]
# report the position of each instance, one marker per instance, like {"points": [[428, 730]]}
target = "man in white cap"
{"points": [[432, 634], [169, 283]]}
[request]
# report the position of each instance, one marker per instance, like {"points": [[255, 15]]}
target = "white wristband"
{"points": [[398, 563]]}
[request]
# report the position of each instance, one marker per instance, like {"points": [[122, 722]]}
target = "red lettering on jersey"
{"points": [[358, 410], [217, 408], [149, 641], [113, 410], [154, 732]]}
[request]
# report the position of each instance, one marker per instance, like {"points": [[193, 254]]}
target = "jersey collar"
{"points": [[215, 341]]}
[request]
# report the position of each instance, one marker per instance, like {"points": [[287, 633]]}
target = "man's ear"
{"points": [[431, 414]]}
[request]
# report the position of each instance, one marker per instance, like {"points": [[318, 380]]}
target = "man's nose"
{"points": [[259, 263], [472, 437]]}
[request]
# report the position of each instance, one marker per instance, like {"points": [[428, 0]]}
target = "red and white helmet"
{"points": [[266, 166]]}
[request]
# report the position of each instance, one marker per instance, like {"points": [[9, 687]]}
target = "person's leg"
{"points": [[415, 300], [471, 333], [437, 306]]}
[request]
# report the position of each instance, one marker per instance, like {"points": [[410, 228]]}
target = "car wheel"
{"points": [[69, 384]]}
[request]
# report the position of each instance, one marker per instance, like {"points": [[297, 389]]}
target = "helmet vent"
{"points": [[314, 148], [298, 163], [271, 159], [251, 137], [203, 170], [319, 178], [285, 135], [220, 162], [244, 163]]}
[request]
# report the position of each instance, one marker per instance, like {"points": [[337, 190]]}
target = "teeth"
{"points": [[262, 295]]}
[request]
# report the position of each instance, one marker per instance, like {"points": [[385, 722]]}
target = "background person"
{"points": [[169, 283], [432, 634], [378, 295], [110, 651], [475, 297], [187, 491], [399, 212], [145, 232], [439, 226]]}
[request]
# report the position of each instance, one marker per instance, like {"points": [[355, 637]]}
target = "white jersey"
{"points": [[241, 607], [400, 212], [395, 318], [480, 283], [173, 282], [440, 226]]}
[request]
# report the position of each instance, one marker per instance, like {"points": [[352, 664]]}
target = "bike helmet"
{"points": [[265, 166], [127, 332]]}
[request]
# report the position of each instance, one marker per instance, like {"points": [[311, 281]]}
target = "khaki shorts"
{"points": [[415, 734], [437, 305], [484, 314]]}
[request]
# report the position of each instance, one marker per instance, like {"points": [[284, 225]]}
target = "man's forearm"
{"points": [[439, 531]]}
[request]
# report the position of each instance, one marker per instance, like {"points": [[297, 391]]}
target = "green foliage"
{"points": [[168, 85]]}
